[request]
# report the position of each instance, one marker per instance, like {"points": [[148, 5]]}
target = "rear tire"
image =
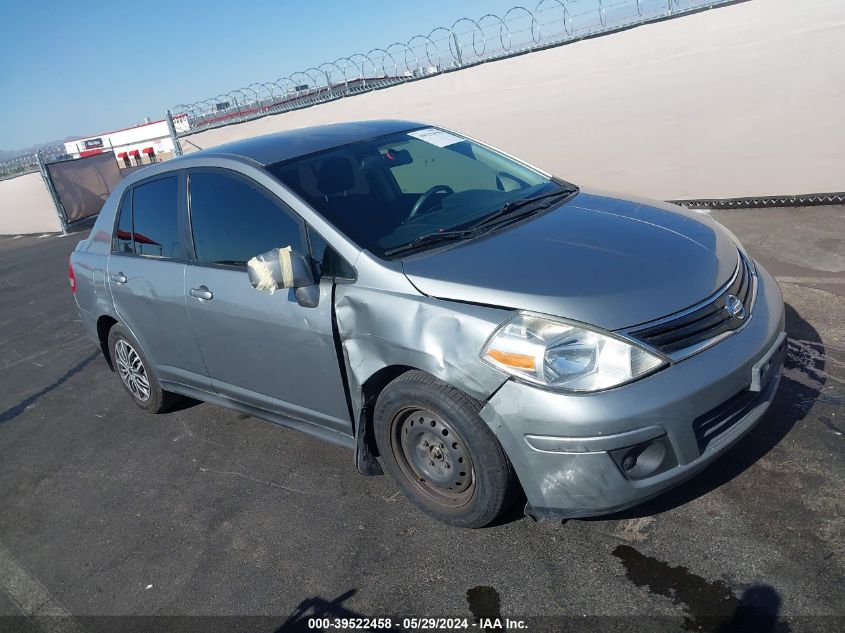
{"points": [[136, 372], [441, 453]]}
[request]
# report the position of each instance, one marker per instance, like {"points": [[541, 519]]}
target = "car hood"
{"points": [[598, 259]]}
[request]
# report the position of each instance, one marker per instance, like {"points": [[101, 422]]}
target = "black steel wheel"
{"points": [[441, 453], [433, 457]]}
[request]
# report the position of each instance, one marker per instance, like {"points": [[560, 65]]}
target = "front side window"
{"points": [[330, 262], [388, 191], [155, 219], [234, 220]]}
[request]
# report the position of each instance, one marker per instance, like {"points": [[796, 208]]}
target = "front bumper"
{"points": [[569, 449]]}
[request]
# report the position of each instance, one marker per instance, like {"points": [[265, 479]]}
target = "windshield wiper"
{"points": [[474, 230], [509, 207], [432, 238]]}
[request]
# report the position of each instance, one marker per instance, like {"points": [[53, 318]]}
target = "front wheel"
{"points": [[441, 453]]}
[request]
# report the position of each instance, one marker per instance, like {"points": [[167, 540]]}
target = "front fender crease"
{"points": [[380, 329]]}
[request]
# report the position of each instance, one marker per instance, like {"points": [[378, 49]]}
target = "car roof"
{"points": [[281, 146]]}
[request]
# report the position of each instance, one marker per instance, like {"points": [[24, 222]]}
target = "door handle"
{"points": [[202, 293], [119, 278]]}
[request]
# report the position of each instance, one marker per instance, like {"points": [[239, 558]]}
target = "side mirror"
{"points": [[283, 268]]}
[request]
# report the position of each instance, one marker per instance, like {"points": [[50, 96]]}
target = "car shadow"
{"points": [[316, 608], [792, 403], [758, 612], [14, 411], [184, 402]]}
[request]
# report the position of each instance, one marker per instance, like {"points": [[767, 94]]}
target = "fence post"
{"points": [[459, 57], [177, 146], [48, 182]]}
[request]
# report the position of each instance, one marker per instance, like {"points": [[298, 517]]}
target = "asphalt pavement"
{"points": [[108, 511]]}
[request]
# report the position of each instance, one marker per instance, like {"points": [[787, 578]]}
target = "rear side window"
{"points": [[233, 220], [155, 214]]}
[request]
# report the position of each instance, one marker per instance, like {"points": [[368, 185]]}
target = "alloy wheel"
{"points": [[132, 370]]}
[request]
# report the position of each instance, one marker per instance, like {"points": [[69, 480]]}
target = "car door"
{"points": [[146, 276], [261, 349]]}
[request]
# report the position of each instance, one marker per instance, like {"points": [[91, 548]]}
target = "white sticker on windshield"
{"points": [[436, 137]]}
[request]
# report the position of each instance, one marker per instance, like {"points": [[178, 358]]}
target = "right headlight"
{"points": [[561, 355]]}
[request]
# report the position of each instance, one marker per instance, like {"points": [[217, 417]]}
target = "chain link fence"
{"points": [[79, 188], [465, 43], [27, 163], [79, 183], [468, 41]]}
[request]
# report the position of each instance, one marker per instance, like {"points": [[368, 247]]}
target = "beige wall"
{"points": [[26, 206], [744, 100]]}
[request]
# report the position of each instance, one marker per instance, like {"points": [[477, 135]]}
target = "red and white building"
{"points": [[141, 144]]}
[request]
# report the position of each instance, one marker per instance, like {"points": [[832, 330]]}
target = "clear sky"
{"points": [[81, 67]]}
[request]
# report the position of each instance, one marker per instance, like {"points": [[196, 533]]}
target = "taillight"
{"points": [[71, 277]]}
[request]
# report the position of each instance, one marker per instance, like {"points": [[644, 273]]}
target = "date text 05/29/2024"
{"points": [[418, 624]]}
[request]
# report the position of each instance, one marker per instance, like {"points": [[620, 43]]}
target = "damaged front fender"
{"points": [[380, 329]]}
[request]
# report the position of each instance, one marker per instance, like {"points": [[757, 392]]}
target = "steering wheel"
{"points": [[503, 174], [423, 198]]}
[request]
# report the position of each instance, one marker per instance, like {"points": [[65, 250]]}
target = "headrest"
{"points": [[335, 175]]}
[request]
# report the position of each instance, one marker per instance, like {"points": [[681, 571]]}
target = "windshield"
{"points": [[388, 192]]}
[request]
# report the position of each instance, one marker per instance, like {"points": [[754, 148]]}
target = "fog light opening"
{"points": [[630, 460], [646, 459]]}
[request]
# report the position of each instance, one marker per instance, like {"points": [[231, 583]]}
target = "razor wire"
{"points": [[465, 43]]}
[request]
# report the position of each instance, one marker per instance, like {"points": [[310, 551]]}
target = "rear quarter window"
{"points": [[122, 242]]}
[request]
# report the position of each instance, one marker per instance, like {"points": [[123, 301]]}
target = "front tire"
{"points": [[441, 453], [136, 372]]}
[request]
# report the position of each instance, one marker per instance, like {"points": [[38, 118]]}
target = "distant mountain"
{"points": [[50, 148]]}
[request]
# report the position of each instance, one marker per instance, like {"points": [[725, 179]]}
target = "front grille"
{"points": [[709, 426], [705, 323]]}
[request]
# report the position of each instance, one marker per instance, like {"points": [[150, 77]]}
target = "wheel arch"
{"points": [[104, 325], [366, 449], [458, 413], [366, 446]]}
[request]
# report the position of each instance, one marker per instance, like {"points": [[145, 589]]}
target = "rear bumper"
{"points": [[569, 450]]}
